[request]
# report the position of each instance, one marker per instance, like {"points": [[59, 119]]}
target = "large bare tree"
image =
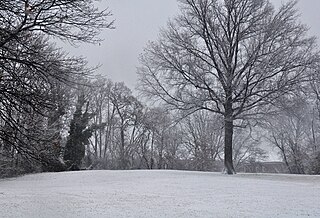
{"points": [[229, 57]]}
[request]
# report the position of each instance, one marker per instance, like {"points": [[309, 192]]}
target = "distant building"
{"points": [[263, 167]]}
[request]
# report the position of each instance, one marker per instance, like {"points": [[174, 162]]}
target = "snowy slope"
{"points": [[159, 194]]}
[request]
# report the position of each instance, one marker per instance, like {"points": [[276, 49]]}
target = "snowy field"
{"points": [[159, 194]]}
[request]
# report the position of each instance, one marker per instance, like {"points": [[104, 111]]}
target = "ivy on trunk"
{"points": [[79, 135]]}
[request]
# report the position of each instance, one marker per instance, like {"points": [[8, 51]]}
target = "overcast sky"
{"points": [[138, 21]]}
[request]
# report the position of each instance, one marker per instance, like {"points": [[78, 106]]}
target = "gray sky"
{"points": [[138, 21]]}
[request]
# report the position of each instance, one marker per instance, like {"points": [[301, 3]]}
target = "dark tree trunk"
{"points": [[228, 136], [228, 160], [285, 158], [122, 155], [160, 163], [95, 144]]}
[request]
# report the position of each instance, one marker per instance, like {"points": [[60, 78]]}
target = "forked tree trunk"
{"points": [[228, 136]]}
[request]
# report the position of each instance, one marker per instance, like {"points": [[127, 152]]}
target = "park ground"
{"points": [[159, 194]]}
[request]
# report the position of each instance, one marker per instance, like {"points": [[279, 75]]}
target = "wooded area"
{"points": [[225, 80]]}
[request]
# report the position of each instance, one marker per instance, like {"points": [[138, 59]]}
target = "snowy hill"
{"points": [[159, 194]]}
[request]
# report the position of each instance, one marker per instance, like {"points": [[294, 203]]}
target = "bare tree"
{"points": [[32, 67], [203, 138], [69, 20], [293, 132], [25, 29], [126, 107], [247, 147], [30, 78], [229, 57]]}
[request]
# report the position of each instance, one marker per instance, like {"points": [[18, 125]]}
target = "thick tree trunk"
{"points": [[228, 136]]}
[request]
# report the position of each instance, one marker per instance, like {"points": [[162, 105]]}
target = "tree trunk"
{"points": [[151, 155], [160, 163], [100, 132], [122, 155], [228, 136], [95, 144]]}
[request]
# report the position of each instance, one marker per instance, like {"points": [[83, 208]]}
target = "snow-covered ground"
{"points": [[159, 194]]}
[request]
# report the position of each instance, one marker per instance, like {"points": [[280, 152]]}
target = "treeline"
{"points": [[35, 76], [126, 134], [99, 124]]}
